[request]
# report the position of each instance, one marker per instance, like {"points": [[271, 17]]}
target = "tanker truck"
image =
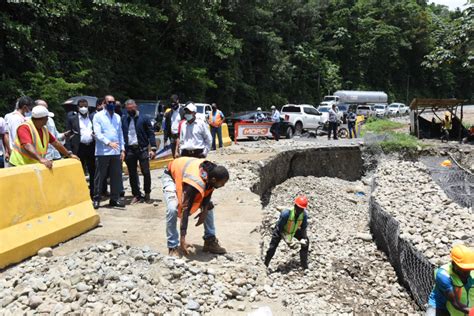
{"points": [[355, 97]]}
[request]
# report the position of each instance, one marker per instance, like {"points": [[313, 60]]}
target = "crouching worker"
{"points": [[188, 184], [453, 293], [292, 223]]}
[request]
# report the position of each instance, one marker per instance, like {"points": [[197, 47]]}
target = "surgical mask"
{"points": [[110, 107], [132, 113], [188, 117], [175, 106], [83, 110], [28, 114]]}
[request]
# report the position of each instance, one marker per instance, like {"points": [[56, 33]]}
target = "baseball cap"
{"points": [[191, 107], [273, 107], [259, 109], [39, 111]]}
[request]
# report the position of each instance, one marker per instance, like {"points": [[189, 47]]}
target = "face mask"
{"points": [[175, 106], [83, 110], [188, 117], [111, 107], [132, 113], [28, 114]]}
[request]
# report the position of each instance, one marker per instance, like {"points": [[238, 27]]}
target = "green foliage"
{"points": [[240, 54], [379, 126], [400, 142]]}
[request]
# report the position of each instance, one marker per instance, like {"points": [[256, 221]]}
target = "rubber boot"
{"points": [[211, 244]]}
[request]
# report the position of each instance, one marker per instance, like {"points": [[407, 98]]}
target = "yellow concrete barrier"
{"points": [[42, 208], [225, 136]]}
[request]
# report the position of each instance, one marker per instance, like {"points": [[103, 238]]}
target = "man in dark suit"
{"points": [[140, 146], [82, 143]]}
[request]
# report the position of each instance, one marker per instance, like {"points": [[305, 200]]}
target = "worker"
{"points": [[292, 224], [275, 129], [453, 292], [194, 136], [188, 184], [32, 140], [351, 123], [216, 118], [260, 116], [447, 124]]}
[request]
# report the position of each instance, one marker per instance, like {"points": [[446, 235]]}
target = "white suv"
{"points": [[398, 109], [302, 116], [203, 110]]}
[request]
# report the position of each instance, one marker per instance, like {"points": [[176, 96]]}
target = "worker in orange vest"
{"points": [[292, 224], [216, 118], [188, 184]]}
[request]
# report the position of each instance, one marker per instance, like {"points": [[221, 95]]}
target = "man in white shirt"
{"points": [[4, 143], [195, 139], [82, 142], [171, 123], [14, 119], [275, 129]]}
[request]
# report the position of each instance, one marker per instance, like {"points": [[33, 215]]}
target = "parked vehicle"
{"points": [[396, 109], [286, 128], [325, 113], [301, 116], [323, 129], [344, 109], [203, 110], [357, 97], [381, 110], [365, 110]]}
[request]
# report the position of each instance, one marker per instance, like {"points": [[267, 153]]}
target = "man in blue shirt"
{"points": [[292, 223], [109, 152], [140, 146], [351, 123], [453, 293], [275, 129]]}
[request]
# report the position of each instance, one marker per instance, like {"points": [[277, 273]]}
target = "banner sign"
{"points": [[244, 130]]}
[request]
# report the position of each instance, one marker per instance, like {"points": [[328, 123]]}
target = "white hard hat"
{"points": [[39, 111], [259, 109], [273, 107], [191, 107]]}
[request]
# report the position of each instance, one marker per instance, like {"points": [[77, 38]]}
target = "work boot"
{"points": [[147, 198], [173, 252], [211, 244]]}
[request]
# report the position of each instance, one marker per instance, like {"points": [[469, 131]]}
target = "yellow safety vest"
{"points": [[463, 295], [293, 225], [20, 156]]}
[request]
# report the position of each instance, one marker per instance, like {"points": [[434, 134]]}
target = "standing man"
{"points": [[4, 143], [292, 223], [332, 120], [16, 118], [260, 116], [140, 146], [109, 152], [188, 184], [52, 154], [32, 140], [194, 137], [275, 129], [171, 120], [82, 142], [216, 118], [351, 123], [447, 124], [453, 292]]}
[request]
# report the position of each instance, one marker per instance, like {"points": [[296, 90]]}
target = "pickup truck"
{"points": [[301, 116], [365, 110]]}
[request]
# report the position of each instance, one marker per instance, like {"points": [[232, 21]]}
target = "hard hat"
{"points": [[259, 109], [301, 201], [39, 111], [446, 163], [463, 257], [273, 107], [447, 113], [191, 107]]}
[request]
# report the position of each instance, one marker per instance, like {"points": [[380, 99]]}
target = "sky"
{"points": [[452, 4]]}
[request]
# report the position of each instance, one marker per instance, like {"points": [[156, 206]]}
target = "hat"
{"points": [[463, 257], [259, 109], [39, 111], [301, 201], [273, 107], [191, 107]]}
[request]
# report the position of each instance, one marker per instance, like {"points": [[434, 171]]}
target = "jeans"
{"points": [[112, 166], [2, 165], [86, 154], [352, 130], [133, 156], [332, 129], [218, 131], [171, 200], [276, 237]]}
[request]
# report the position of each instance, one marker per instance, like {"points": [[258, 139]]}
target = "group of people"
{"points": [[275, 118]]}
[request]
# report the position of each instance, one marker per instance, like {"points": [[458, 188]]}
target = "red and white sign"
{"points": [[244, 130]]}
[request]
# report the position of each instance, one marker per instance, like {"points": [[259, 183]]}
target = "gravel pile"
{"points": [[347, 274], [114, 278], [428, 218]]}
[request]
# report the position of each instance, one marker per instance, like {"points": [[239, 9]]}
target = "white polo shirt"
{"points": [[195, 136]]}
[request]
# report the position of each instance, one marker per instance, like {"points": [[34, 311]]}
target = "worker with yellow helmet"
{"points": [[453, 293]]}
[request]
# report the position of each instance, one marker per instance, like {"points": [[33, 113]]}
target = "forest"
{"points": [[238, 53]]}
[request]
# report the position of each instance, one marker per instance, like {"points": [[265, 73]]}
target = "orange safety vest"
{"points": [[20, 156], [188, 170], [217, 121]]}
